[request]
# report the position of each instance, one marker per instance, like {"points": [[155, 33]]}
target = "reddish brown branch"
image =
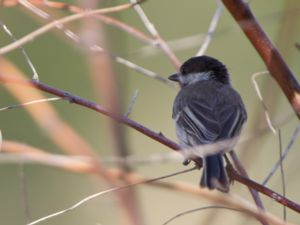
{"points": [[266, 191], [122, 119], [89, 104], [146, 131], [270, 55]]}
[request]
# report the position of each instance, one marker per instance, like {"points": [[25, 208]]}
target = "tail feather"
{"points": [[214, 175]]}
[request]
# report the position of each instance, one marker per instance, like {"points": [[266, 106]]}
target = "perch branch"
{"points": [[142, 129]]}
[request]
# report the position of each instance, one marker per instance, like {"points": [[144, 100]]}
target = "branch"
{"points": [[211, 29], [91, 105], [268, 52], [20, 152], [29, 37], [266, 191], [76, 9], [152, 30], [144, 130]]}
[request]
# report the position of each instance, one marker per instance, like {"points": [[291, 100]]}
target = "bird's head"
{"points": [[201, 68]]}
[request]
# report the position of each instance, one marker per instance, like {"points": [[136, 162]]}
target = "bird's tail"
{"points": [[214, 175]]}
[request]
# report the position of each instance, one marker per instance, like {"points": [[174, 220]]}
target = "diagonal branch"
{"points": [[29, 37], [268, 52], [144, 130]]}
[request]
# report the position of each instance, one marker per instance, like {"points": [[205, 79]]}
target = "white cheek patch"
{"points": [[194, 77]]}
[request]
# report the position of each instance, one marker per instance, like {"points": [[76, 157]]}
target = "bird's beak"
{"points": [[174, 77]]}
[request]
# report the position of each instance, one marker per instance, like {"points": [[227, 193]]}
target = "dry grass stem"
{"points": [[35, 75], [253, 78], [31, 36], [283, 156], [211, 29]]}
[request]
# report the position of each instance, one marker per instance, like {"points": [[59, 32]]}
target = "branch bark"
{"points": [[144, 130], [268, 52]]}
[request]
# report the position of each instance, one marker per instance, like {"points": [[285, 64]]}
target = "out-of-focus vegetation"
{"points": [[62, 64]]}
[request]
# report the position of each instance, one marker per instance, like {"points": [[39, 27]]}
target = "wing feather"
{"points": [[202, 123]]}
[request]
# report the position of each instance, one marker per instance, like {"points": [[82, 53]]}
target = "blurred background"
{"points": [[29, 190]]}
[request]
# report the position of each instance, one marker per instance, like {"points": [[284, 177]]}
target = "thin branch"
{"points": [[75, 9], [29, 103], [24, 192], [31, 36], [268, 52], [152, 30], [83, 161], [93, 47], [197, 210], [211, 29], [132, 102], [253, 78], [284, 154], [135, 67], [180, 44], [282, 172], [156, 41], [266, 191], [35, 75], [1, 140], [254, 193], [90, 197], [85, 165], [16, 152]]}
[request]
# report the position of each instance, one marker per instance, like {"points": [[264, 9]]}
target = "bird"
{"points": [[207, 110]]}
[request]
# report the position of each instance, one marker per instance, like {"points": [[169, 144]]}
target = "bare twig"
{"points": [[86, 103], [75, 9], [152, 30], [197, 210], [35, 75], [240, 168], [1, 140], [31, 36], [29, 103], [179, 44], [94, 47], [211, 29], [282, 172], [156, 41], [90, 197], [81, 13], [132, 102], [140, 69], [284, 154], [84, 161], [22, 153], [266, 191], [24, 192], [262, 100]]}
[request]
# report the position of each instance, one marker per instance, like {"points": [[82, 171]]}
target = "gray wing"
{"points": [[201, 123]]}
